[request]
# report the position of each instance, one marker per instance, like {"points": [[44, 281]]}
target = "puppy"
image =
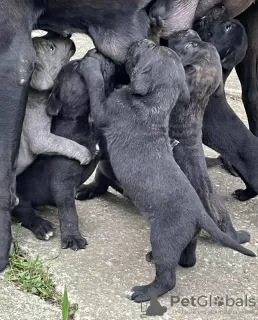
{"points": [[223, 131], [52, 180], [52, 52], [204, 78], [134, 121]]}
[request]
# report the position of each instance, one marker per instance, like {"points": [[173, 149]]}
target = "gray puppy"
{"points": [[134, 120], [52, 52]]}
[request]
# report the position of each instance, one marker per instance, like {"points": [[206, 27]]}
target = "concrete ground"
{"points": [[99, 277]]}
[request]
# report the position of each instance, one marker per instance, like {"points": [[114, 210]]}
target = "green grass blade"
{"points": [[65, 306]]}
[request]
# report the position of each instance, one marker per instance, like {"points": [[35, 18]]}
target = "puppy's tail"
{"points": [[210, 226]]}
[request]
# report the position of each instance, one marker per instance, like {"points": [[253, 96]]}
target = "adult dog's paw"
{"points": [[42, 229], [73, 241]]}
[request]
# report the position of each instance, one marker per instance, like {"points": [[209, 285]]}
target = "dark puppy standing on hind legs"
{"points": [[53, 180], [134, 121]]}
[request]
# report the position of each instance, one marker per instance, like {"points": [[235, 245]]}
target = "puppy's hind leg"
{"points": [[26, 215], [96, 188], [104, 178], [225, 224], [165, 254], [188, 256]]}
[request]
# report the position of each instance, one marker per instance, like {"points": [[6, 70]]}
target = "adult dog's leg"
{"points": [[247, 70], [16, 64]]}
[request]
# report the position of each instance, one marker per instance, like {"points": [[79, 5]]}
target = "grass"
{"points": [[31, 275], [65, 306]]}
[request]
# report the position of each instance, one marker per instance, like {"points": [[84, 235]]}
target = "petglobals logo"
{"points": [[214, 301]]}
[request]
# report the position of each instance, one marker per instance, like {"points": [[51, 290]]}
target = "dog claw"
{"points": [[74, 242], [129, 295]]}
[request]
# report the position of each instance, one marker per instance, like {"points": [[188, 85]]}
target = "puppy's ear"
{"points": [[229, 61], [141, 81], [54, 104], [190, 74]]}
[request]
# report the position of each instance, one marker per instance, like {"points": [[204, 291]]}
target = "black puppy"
{"points": [[223, 131], [204, 77], [52, 180], [134, 120]]}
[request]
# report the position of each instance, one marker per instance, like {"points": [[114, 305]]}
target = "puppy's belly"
{"points": [[25, 157]]}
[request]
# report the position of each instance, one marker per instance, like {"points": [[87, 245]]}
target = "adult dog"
{"points": [[134, 122], [113, 25]]}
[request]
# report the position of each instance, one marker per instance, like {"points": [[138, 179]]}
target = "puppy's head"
{"points": [[200, 60], [69, 97], [52, 52], [151, 67], [227, 35]]}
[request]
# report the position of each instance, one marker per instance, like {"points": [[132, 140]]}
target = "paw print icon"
{"points": [[219, 301]]}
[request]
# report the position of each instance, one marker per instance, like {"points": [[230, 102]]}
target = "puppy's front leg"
{"points": [[90, 69], [53, 144], [70, 234]]}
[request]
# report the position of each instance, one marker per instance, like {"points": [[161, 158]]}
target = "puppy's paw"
{"points": [[73, 241], [157, 24], [89, 65], [84, 156], [149, 257], [145, 293], [90, 191], [243, 195], [243, 236], [106, 65], [42, 229]]}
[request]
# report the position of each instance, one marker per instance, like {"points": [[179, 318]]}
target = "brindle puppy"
{"points": [[204, 78]]}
